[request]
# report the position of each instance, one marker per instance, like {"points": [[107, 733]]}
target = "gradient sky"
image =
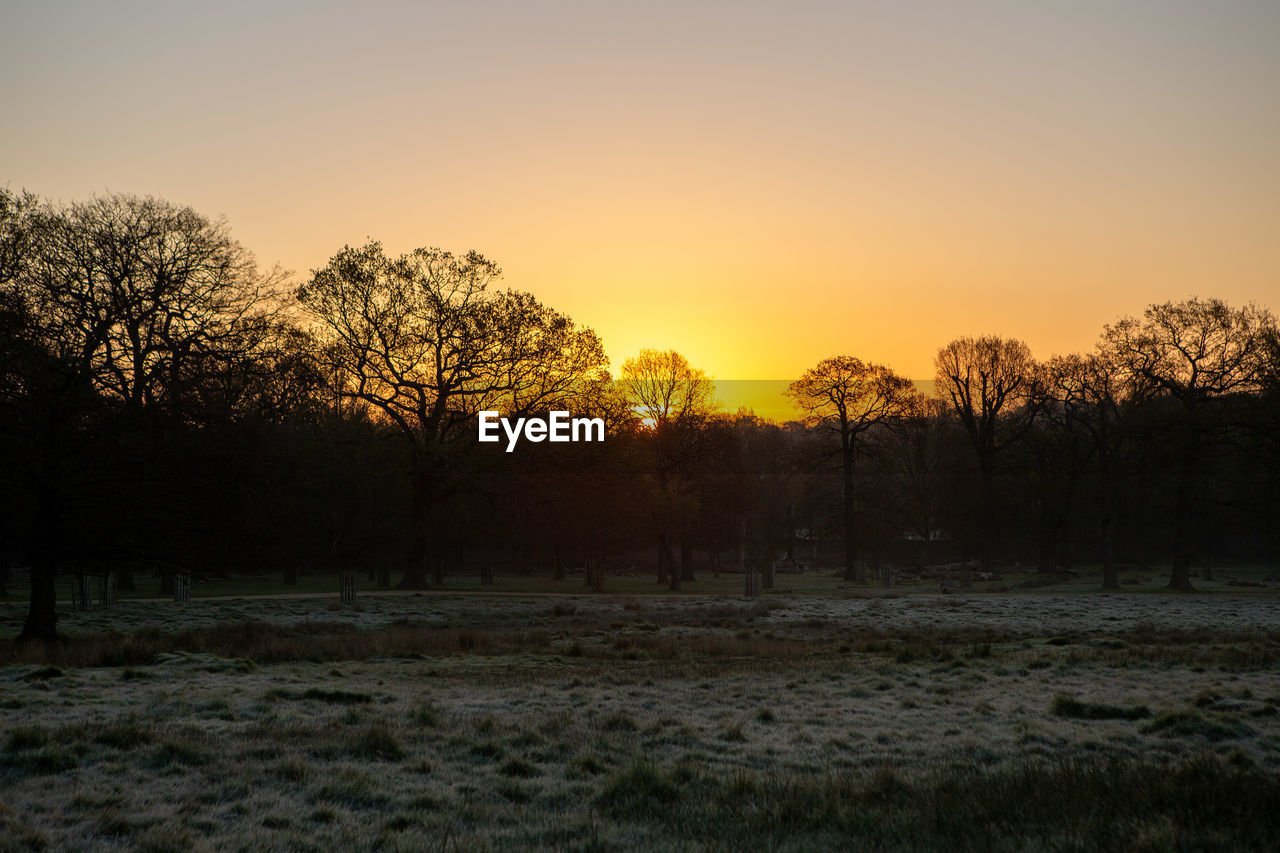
{"points": [[758, 185]]}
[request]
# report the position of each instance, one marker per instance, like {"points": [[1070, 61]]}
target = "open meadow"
{"points": [[1033, 720]]}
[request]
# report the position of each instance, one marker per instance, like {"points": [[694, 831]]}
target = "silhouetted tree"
{"points": [[991, 385], [911, 459], [424, 342], [664, 388], [849, 397], [674, 399], [1095, 395], [121, 301], [1197, 353]]}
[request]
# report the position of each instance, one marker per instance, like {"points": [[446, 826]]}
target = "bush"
{"points": [[25, 738], [1068, 706], [377, 743], [338, 697], [1191, 724]]}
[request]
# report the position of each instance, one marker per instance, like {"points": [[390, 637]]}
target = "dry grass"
{"points": [[685, 725], [262, 642]]}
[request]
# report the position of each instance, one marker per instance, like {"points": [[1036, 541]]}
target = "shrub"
{"points": [[377, 743], [518, 768], [1191, 724], [25, 738], [1069, 706], [338, 697]]}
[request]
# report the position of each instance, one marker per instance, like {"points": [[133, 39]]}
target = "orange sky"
{"points": [[757, 186]]}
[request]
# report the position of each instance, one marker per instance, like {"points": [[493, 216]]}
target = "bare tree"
{"points": [[17, 219], [123, 301], [138, 288], [1197, 352], [674, 399], [1094, 394], [913, 455], [424, 342], [664, 388], [991, 384], [850, 397]]}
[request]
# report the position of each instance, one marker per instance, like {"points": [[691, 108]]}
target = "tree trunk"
{"points": [[791, 537], [42, 615], [1110, 574], [686, 561], [850, 540], [666, 562], [664, 558], [1180, 576], [1047, 554], [415, 569], [986, 524]]}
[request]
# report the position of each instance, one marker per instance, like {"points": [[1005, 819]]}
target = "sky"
{"points": [[757, 185]]}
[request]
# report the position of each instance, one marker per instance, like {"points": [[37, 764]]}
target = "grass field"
{"points": [[800, 720]]}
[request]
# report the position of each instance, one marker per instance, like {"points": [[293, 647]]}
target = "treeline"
{"points": [[167, 407]]}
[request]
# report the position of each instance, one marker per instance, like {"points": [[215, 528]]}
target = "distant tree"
{"points": [[664, 388], [674, 399], [1198, 353], [992, 386], [912, 460], [767, 465], [1266, 444], [849, 397], [423, 342], [1056, 451], [1095, 397]]}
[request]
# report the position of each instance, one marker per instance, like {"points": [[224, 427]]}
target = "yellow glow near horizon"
{"points": [[757, 188]]}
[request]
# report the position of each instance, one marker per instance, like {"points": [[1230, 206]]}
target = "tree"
{"points": [[991, 385], [1095, 396], [422, 341], [849, 397], [674, 399], [913, 456], [1198, 353], [17, 221], [665, 389], [139, 289], [116, 306]]}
